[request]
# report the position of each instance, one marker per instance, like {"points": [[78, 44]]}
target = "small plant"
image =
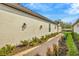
{"points": [[9, 48], [25, 42], [47, 37], [55, 50], [34, 41], [49, 52], [6, 50], [43, 38]]}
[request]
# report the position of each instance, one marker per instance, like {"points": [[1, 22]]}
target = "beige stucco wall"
{"points": [[60, 29], [11, 27], [76, 28]]}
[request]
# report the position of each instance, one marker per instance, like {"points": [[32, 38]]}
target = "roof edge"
{"points": [[76, 22], [26, 10]]}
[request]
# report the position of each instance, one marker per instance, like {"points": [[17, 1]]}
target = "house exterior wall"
{"points": [[76, 28], [11, 26], [59, 29], [53, 26]]}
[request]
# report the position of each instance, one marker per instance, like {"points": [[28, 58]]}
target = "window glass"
{"points": [[23, 26], [49, 27], [41, 27]]}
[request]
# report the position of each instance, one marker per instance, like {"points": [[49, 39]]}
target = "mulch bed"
{"points": [[21, 48], [62, 47]]}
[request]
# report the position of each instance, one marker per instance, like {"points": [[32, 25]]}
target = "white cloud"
{"points": [[74, 9], [70, 19], [39, 6]]}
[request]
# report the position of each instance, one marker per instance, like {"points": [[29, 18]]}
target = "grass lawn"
{"points": [[71, 45]]}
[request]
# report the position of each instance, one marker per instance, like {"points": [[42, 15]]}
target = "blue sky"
{"points": [[67, 12]]}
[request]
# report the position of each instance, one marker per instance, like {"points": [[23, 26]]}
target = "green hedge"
{"points": [[71, 45]]}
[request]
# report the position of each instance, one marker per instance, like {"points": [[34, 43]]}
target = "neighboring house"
{"points": [[76, 27], [18, 23], [59, 28]]}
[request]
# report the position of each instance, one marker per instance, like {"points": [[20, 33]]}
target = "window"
{"points": [[55, 26], [49, 27], [41, 27], [23, 26]]}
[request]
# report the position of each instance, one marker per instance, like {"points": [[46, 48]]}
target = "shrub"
{"points": [[43, 39], [55, 50], [9, 48], [34, 41], [25, 42], [6, 50], [49, 52], [47, 37], [71, 45]]}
